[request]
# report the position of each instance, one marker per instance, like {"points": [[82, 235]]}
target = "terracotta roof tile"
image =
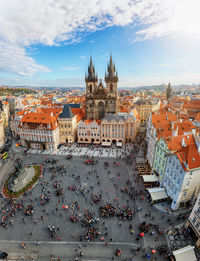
{"points": [[39, 118]]}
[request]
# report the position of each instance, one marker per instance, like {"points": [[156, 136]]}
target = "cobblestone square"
{"points": [[110, 182]]}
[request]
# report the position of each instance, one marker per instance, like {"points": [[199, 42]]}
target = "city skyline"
{"points": [[152, 42]]}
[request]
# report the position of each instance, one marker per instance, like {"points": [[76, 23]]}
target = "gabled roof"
{"points": [[66, 113], [55, 111], [175, 143], [163, 117], [190, 156]]}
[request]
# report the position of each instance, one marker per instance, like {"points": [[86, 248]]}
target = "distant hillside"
{"points": [[4, 91]]}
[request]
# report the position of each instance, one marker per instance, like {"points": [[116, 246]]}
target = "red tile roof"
{"points": [[189, 157], [35, 119], [175, 143], [56, 112]]}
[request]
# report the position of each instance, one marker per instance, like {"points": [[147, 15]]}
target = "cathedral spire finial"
{"points": [[111, 70], [91, 76]]}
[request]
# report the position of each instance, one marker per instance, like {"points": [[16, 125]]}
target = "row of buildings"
{"points": [[174, 156], [97, 120], [51, 127]]}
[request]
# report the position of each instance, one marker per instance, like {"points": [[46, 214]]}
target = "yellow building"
{"points": [[68, 125], [2, 133], [112, 130], [145, 107]]}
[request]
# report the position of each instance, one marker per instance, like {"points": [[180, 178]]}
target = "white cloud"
{"points": [[180, 17], [70, 68], [24, 23], [83, 57], [14, 59], [166, 65]]}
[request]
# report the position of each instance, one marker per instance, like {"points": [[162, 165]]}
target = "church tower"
{"points": [[91, 80], [111, 79], [101, 100]]}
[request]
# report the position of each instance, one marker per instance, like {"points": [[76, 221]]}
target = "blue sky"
{"points": [[152, 42]]}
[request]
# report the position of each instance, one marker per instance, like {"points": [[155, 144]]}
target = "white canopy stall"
{"points": [[104, 143], [157, 194], [185, 254]]}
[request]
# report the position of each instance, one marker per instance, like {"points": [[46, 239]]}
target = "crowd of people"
{"points": [[99, 208]]}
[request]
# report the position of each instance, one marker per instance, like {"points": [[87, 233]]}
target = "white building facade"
{"points": [[181, 184], [194, 220], [89, 132], [39, 131]]}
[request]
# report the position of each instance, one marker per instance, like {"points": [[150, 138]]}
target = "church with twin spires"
{"points": [[101, 100]]}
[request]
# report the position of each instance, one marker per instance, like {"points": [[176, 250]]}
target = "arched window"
{"points": [[90, 88], [111, 87]]}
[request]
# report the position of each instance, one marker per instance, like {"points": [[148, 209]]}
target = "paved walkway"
{"points": [[75, 150]]}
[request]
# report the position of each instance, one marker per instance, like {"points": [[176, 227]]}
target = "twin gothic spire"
{"points": [[110, 75]]}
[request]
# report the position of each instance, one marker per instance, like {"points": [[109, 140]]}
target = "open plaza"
{"points": [[78, 209]]}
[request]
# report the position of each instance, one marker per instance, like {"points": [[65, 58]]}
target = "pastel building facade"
{"points": [[146, 107], [89, 131], [181, 178], [2, 133], [39, 131], [67, 125], [112, 130], [194, 221]]}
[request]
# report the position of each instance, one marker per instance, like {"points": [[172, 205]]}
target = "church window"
{"points": [[111, 87], [90, 88]]}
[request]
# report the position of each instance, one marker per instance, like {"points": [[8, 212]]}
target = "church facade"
{"points": [[101, 100]]}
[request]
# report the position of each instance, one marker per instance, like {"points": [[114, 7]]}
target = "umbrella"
{"points": [[153, 251], [142, 234], [148, 255]]}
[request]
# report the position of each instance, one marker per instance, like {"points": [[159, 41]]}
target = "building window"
{"points": [[194, 220], [197, 225]]}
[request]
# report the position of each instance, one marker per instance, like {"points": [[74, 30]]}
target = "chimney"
{"points": [[183, 144], [51, 113], [194, 132], [175, 132]]}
